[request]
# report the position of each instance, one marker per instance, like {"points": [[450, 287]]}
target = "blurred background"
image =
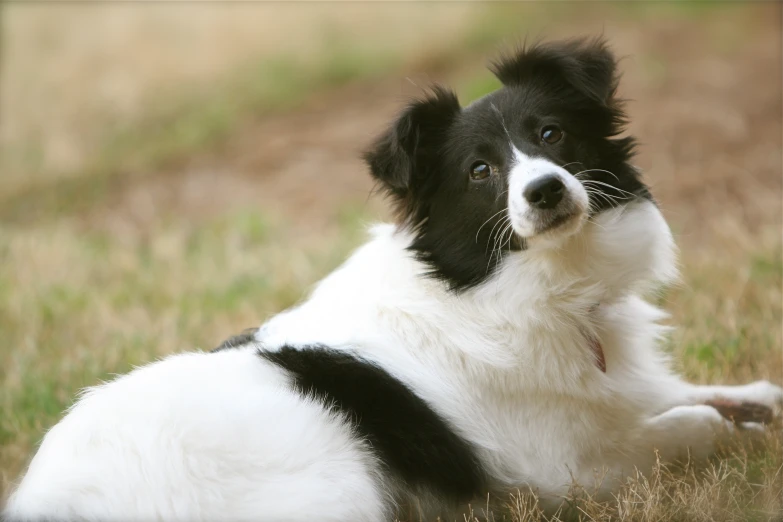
{"points": [[171, 173]]}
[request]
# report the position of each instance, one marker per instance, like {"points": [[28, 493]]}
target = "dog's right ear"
{"points": [[400, 159]]}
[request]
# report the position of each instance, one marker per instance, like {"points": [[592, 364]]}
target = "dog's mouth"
{"points": [[565, 219], [552, 223]]}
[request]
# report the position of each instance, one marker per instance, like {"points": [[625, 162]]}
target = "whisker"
{"points": [[494, 244], [500, 245], [571, 163], [609, 197], [608, 185], [499, 226], [605, 197], [510, 229], [499, 221], [499, 237], [502, 242], [487, 221], [598, 170]]}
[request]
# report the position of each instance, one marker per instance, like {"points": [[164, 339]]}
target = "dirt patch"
{"points": [[706, 105], [302, 166]]}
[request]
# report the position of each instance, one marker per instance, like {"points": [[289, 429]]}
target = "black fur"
{"points": [[246, 337], [587, 66], [402, 158], [409, 437], [423, 160]]}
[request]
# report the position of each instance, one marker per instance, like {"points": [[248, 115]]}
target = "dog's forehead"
{"points": [[503, 106], [495, 116], [489, 102]]}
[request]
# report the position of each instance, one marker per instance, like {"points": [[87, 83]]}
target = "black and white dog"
{"points": [[495, 337]]}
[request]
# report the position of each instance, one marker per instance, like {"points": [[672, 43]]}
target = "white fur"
{"points": [[222, 436]]}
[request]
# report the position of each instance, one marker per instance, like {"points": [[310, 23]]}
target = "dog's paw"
{"points": [[757, 402], [743, 412], [766, 393]]}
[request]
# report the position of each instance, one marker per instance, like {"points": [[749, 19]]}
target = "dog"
{"points": [[494, 337]]}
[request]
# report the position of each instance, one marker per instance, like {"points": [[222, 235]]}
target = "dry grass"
{"points": [[77, 307], [733, 489], [182, 257]]}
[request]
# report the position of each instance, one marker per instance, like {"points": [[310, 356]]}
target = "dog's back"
{"points": [[215, 436]]}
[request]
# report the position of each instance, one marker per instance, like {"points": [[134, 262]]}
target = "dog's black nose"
{"points": [[545, 192]]}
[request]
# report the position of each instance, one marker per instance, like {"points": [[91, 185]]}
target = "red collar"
{"points": [[594, 343], [598, 352]]}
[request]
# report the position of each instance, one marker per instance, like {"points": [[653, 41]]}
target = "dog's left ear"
{"points": [[401, 158], [587, 65]]}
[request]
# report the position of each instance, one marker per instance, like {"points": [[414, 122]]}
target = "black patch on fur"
{"points": [[246, 337], [423, 160], [406, 434]]}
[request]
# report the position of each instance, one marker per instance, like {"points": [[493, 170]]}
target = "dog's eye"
{"points": [[551, 134], [480, 170]]}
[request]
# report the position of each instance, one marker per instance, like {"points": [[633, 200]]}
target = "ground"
{"points": [[171, 243]]}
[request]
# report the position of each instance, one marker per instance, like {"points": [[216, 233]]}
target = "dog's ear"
{"points": [[400, 157], [587, 65]]}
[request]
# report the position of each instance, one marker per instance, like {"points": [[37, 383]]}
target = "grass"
{"points": [[184, 288], [745, 485], [79, 303], [77, 307]]}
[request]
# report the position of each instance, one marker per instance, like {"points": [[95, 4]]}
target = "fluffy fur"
{"points": [[524, 240]]}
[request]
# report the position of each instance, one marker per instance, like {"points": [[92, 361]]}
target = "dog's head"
{"points": [[530, 162]]}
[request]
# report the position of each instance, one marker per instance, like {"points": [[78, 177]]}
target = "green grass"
{"points": [[737, 329], [103, 303]]}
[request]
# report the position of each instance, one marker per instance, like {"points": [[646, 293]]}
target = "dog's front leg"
{"points": [[690, 430], [700, 420], [760, 392], [758, 401]]}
